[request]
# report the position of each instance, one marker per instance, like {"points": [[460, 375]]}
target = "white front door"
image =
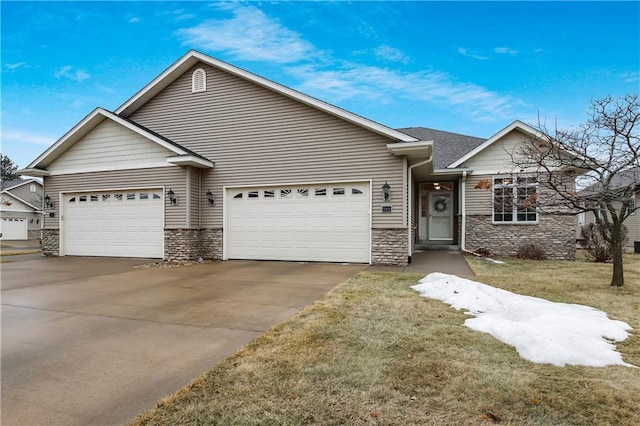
{"points": [[440, 215]]}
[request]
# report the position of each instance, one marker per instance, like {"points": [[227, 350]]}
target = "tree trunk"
{"points": [[617, 280]]}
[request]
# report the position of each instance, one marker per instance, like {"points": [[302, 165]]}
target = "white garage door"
{"points": [[118, 223], [324, 223], [14, 228]]}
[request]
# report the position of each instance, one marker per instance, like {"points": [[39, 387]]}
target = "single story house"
{"points": [[209, 160], [21, 209], [623, 179]]}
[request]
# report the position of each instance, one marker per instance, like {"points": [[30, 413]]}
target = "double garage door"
{"points": [[324, 223], [128, 223]]}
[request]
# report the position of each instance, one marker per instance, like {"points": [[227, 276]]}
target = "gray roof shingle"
{"points": [[447, 147]]}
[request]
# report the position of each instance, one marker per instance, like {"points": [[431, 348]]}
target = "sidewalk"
{"points": [[428, 261]]}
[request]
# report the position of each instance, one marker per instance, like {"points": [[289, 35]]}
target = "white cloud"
{"points": [[465, 52], [71, 73], [505, 51], [391, 54], [26, 137], [15, 66], [134, 20], [385, 85], [249, 35], [105, 89], [631, 77]]}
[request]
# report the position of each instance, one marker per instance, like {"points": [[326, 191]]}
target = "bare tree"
{"points": [[594, 167]]}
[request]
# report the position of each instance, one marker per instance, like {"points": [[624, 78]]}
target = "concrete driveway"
{"points": [[94, 341]]}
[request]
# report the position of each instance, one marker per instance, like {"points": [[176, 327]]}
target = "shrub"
{"points": [[593, 240], [531, 252]]}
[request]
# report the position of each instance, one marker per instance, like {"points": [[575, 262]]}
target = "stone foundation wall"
{"points": [[51, 242], [181, 244], [555, 233], [389, 247], [211, 241], [34, 234]]}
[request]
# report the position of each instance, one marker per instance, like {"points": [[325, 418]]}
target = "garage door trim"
{"points": [[227, 188]]}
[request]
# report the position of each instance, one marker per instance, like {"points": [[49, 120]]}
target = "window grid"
{"points": [[515, 200]]}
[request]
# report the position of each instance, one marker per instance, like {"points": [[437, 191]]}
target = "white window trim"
{"points": [[194, 76], [514, 187]]}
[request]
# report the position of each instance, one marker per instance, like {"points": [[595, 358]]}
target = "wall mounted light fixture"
{"points": [[173, 199], [48, 204], [386, 192], [211, 198]]}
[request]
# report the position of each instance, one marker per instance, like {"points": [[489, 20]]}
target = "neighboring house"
{"points": [[632, 223], [21, 209], [209, 160]]}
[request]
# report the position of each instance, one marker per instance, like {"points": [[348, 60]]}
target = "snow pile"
{"points": [[543, 332]]}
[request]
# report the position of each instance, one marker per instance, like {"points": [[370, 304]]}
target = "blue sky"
{"points": [[466, 67]]}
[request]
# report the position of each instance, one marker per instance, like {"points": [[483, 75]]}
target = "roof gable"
{"points": [[16, 183], [11, 202], [97, 117], [516, 125], [193, 57]]}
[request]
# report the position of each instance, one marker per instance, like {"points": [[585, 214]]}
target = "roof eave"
{"points": [[32, 172], [190, 160]]}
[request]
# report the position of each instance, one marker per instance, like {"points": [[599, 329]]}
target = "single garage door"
{"points": [[128, 223], [14, 228], [323, 223]]}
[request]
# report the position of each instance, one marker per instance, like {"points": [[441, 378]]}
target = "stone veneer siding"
{"points": [[554, 233], [50, 242], [181, 244], [211, 241], [389, 247], [34, 234]]}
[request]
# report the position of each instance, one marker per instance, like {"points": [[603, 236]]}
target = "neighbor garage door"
{"points": [[127, 223], [324, 223], [14, 228]]}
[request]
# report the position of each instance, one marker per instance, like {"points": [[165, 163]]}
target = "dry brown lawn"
{"points": [[374, 352]]}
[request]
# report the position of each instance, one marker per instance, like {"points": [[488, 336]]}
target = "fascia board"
{"points": [[515, 125], [192, 57], [411, 148], [33, 172]]}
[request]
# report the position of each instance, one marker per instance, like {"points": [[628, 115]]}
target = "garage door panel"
{"points": [[117, 223], [327, 222]]}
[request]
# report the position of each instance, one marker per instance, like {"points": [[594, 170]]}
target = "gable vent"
{"points": [[199, 81]]}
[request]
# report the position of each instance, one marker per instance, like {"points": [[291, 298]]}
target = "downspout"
{"points": [[410, 206], [463, 207]]}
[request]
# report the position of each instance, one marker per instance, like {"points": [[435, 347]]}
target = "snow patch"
{"points": [[542, 331]]}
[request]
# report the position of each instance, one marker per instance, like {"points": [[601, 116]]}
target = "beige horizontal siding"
{"points": [[478, 200], [110, 146], [498, 156], [257, 137], [169, 177], [197, 198]]}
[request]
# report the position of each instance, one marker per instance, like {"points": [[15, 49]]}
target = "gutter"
{"points": [[463, 208]]}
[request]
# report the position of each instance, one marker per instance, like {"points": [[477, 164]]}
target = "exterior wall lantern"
{"points": [[210, 197], [173, 199], [48, 203], [386, 192]]}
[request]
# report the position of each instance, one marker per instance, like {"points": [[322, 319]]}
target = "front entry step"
{"points": [[449, 247]]}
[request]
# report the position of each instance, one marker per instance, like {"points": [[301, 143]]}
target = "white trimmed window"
{"points": [[199, 81], [515, 200], [32, 188]]}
